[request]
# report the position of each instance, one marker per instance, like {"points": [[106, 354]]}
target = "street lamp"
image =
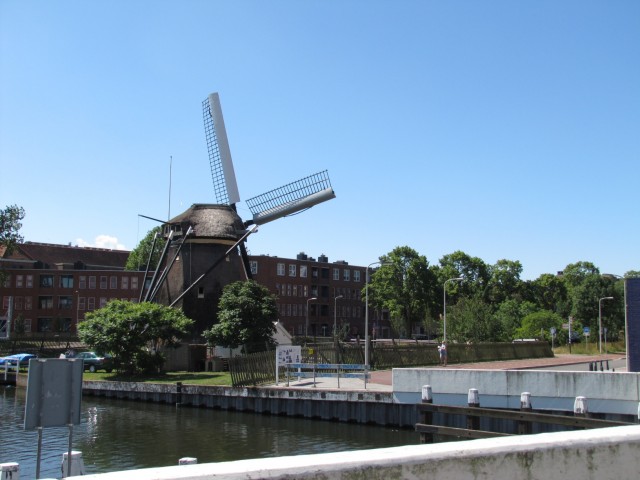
{"points": [[366, 311], [444, 316], [306, 328], [600, 322], [335, 314]]}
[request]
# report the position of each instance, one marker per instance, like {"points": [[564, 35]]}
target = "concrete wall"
{"points": [[338, 405], [606, 392], [603, 454]]}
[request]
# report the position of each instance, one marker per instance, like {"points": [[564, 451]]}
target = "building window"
{"points": [[65, 302], [19, 281], [303, 271], [92, 281], [292, 270], [5, 303], [18, 303], [294, 310], [288, 289], [253, 265], [29, 281], [336, 274], [45, 302], [7, 281], [82, 281], [91, 303], [280, 269], [27, 325], [356, 275], [306, 291], [103, 282], [28, 303], [134, 283], [113, 282], [314, 272], [82, 303], [103, 301], [346, 273], [46, 281], [66, 281], [125, 283], [45, 324]]}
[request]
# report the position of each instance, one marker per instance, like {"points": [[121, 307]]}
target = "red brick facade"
{"points": [[53, 286], [296, 281]]}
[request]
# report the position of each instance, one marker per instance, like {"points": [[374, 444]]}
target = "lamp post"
{"points": [[366, 312], [335, 315], [600, 322], [444, 310], [306, 328]]}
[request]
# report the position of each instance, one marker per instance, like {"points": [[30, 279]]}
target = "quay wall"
{"points": [[366, 407], [600, 454], [606, 392]]}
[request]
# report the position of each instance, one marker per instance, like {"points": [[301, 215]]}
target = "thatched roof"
{"points": [[210, 221]]}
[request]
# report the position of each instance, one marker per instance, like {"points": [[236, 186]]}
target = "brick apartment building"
{"points": [[337, 288], [51, 287]]}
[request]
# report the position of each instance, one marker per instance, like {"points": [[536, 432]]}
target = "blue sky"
{"points": [[505, 129]]}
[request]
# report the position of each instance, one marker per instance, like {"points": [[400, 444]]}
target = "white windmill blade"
{"points": [[222, 172], [291, 198]]}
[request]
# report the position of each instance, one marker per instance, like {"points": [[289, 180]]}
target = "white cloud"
{"points": [[102, 241]]}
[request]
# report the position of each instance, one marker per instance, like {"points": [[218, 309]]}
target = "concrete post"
{"points": [[9, 471], [77, 464], [473, 399], [580, 408], [525, 428], [427, 417]]}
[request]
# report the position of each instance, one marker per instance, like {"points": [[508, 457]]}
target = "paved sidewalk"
{"points": [[381, 380]]}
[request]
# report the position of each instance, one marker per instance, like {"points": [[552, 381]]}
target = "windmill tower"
{"points": [[205, 247]]}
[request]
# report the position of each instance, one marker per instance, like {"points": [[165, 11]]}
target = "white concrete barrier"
{"points": [[9, 471], [602, 454]]}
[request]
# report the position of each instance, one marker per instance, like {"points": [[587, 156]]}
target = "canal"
{"points": [[122, 435]]}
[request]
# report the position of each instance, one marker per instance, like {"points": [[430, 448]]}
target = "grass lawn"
{"points": [[188, 378], [591, 348]]}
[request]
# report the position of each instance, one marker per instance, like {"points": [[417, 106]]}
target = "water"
{"points": [[122, 435]]}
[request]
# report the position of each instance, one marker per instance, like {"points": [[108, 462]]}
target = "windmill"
{"points": [[207, 237]]}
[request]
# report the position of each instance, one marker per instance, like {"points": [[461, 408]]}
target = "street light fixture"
{"points": [[600, 322], [335, 315], [444, 312], [306, 328]]}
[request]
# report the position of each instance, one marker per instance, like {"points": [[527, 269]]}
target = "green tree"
{"points": [[549, 292], [406, 287], [10, 224], [472, 320], [509, 315], [247, 313], [474, 271], [134, 333], [538, 324], [139, 256], [504, 280]]}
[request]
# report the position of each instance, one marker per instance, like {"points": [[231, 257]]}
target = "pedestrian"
{"points": [[442, 350]]}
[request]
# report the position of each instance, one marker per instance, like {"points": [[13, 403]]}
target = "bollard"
{"points": [[9, 471], [473, 399], [427, 396], [77, 464], [607, 364], [591, 366], [524, 427], [580, 408], [427, 417], [187, 461]]}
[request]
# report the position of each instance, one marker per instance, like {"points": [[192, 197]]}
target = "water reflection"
{"points": [[119, 435]]}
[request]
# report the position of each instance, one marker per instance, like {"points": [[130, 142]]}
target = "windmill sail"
{"points": [[222, 172], [291, 198]]}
